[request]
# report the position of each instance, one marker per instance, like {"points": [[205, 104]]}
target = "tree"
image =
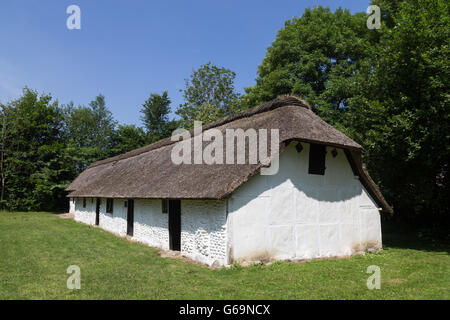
{"points": [[388, 8], [44, 146], [401, 112], [209, 94], [127, 138], [155, 117], [5, 120], [387, 89], [90, 132], [34, 167], [103, 126], [315, 57]]}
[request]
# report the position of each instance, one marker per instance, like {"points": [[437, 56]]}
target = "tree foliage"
{"points": [[127, 138], [388, 89], [44, 146], [90, 132], [401, 113], [315, 57], [34, 161], [155, 117], [209, 94]]}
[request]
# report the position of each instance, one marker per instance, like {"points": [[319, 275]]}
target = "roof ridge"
{"points": [[281, 101]]}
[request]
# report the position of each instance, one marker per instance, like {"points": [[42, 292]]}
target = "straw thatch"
{"points": [[149, 173]]}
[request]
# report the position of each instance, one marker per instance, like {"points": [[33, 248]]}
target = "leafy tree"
{"points": [[90, 132], [401, 113], [388, 8], [209, 94], [79, 135], [5, 117], [314, 56], [35, 168], [103, 126], [155, 117], [45, 146], [127, 138], [387, 89]]}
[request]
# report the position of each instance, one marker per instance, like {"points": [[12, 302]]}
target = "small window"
{"points": [[125, 203], [84, 202], [109, 205], [317, 159], [165, 205]]}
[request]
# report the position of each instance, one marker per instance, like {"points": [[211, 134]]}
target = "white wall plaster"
{"points": [[72, 205], [115, 222], [296, 215], [203, 230], [87, 214], [150, 224], [203, 225]]}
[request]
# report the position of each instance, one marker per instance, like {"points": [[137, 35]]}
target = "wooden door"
{"points": [[130, 217], [97, 212], [175, 225]]}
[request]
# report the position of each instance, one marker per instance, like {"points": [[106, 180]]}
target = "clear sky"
{"points": [[129, 49]]}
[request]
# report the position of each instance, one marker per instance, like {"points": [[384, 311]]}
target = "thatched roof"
{"points": [[149, 173]]}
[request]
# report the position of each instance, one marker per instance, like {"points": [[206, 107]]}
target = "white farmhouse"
{"points": [[321, 203]]}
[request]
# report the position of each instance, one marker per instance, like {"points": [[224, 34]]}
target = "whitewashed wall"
{"points": [[85, 215], [203, 225], [296, 215], [150, 224], [71, 205], [115, 222], [203, 230]]}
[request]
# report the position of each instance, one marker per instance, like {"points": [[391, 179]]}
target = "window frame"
{"points": [[109, 205]]}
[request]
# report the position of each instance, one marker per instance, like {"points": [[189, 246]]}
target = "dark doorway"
{"points": [[175, 225], [97, 212], [130, 217]]}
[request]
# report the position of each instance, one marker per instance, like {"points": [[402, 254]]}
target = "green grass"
{"points": [[37, 248]]}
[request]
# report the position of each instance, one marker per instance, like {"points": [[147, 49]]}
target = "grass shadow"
{"points": [[404, 237]]}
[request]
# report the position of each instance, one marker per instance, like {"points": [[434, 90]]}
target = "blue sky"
{"points": [[129, 49]]}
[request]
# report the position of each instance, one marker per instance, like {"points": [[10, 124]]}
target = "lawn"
{"points": [[37, 248]]}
